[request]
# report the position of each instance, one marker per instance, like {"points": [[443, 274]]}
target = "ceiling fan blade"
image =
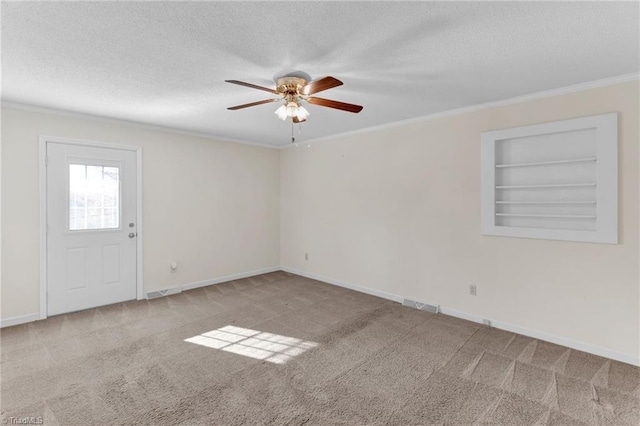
{"points": [[266, 101], [319, 85], [253, 86], [297, 120], [335, 104]]}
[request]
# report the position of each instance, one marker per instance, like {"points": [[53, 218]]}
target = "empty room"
{"points": [[320, 213]]}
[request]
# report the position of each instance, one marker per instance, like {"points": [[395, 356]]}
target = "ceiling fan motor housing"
{"points": [[290, 86]]}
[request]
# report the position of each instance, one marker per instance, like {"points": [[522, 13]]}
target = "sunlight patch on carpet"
{"points": [[254, 344]]}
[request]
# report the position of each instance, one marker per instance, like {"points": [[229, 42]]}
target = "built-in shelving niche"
{"points": [[554, 180]]}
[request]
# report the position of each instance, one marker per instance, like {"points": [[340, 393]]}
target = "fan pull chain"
{"points": [[293, 140]]}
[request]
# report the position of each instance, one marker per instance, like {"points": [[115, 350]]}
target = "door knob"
{"points": [[131, 235]]}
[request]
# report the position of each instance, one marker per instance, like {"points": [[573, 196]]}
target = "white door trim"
{"points": [[42, 168]]}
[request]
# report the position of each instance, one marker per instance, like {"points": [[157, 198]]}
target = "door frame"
{"points": [[42, 168]]}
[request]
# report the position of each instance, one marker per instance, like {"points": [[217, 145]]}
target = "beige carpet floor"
{"points": [[280, 349]]}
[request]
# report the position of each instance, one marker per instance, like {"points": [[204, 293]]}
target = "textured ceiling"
{"points": [[164, 63]]}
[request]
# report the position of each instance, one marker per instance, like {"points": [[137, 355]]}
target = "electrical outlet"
{"points": [[306, 256], [472, 289]]}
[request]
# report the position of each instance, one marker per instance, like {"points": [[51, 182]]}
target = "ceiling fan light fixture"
{"points": [[292, 109]]}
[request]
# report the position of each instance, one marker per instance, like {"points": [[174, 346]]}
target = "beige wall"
{"points": [[394, 210], [203, 201], [398, 210]]}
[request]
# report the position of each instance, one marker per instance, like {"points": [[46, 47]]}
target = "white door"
{"points": [[91, 227]]}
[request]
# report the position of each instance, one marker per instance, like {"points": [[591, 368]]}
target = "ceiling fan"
{"points": [[293, 91]]}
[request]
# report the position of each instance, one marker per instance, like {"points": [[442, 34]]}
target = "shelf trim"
{"points": [[545, 163], [552, 185], [558, 216], [546, 202]]}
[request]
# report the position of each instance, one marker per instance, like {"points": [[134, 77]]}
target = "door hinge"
{"points": [[46, 161]]}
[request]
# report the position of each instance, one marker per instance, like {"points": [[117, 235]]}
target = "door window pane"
{"points": [[94, 197]]}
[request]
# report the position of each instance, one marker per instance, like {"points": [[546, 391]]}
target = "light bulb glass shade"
{"points": [[292, 109], [302, 113], [281, 112]]}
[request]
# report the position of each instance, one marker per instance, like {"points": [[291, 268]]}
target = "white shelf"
{"points": [[546, 202], [554, 216], [551, 185], [546, 163], [552, 180]]}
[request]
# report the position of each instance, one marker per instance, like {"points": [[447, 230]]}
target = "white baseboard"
{"points": [[463, 315], [231, 277], [345, 284], [540, 335], [8, 322], [218, 280], [573, 344]]}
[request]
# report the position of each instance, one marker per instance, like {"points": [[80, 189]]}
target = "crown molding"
{"points": [[83, 116], [493, 104], [625, 78]]}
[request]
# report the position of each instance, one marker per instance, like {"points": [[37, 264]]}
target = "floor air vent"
{"points": [[422, 306], [162, 293]]}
